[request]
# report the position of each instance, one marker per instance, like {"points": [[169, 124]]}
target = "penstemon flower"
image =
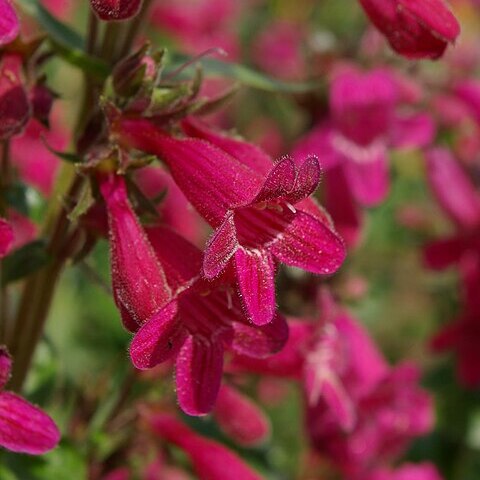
{"points": [[24, 427], [210, 459], [197, 327], [260, 211], [139, 284]]}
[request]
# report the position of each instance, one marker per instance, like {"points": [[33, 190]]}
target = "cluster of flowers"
{"points": [[204, 311]]}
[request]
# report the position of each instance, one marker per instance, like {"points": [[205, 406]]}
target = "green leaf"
{"points": [[16, 197], [67, 42], [84, 203], [24, 261], [245, 75], [80, 59], [57, 30]]}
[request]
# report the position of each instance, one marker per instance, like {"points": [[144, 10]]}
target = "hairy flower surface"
{"points": [[259, 210], [24, 428], [197, 326], [414, 28], [116, 9], [139, 284]]}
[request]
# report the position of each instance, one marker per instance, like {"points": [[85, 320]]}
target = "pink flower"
{"points": [[199, 25], [9, 23], [414, 28], [14, 105], [140, 288], [353, 146], [463, 333], [458, 197], [240, 419], [24, 428], [392, 414], [211, 460], [6, 237], [36, 164], [407, 471], [116, 9], [200, 323], [174, 209], [251, 205], [278, 50]]}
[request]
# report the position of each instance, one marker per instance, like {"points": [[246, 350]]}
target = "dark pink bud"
{"points": [[116, 9], [9, 24], [414, 28], [240, 418], [14, 104], [6, 237], [139, 284]]}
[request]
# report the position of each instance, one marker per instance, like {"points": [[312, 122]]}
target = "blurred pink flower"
{"points": [[24, 428], [36, 164], [211, 460], [407, 471], [6, 237], [199, 25], [414, 28], [353, 146], [461, 202], [278, 50], [15, 108], [240, 418], [9, 23]]}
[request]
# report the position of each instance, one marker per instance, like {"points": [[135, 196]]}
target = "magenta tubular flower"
{"points": [[258, 209], [9, 23], [139, 285], [240, 418], [24, 428], [211, 460], [388, 419], [36, 164], [6, 237], [414, 28], [116, 9], [197, 326], [460, 200], [14, 105], [406, 471], [463, 333], [353, 146], [174, 209]]}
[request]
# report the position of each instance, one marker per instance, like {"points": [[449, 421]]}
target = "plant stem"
{"points": [[134, 28], [92, 32], [5, 178]]}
